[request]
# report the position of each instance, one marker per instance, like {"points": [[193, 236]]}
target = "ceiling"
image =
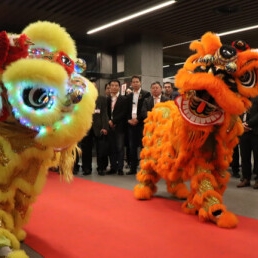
{"points": [[183, 21]]}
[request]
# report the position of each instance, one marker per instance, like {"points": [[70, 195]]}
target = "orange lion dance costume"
{"points": [[193, 138]]}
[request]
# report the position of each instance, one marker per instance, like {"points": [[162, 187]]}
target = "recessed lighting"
{"points": [[227, 10], [130, 17]]}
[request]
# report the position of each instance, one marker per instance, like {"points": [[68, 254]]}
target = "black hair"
{"points": [[107, 85], [136, 77], [157, 82], [115, 80]]}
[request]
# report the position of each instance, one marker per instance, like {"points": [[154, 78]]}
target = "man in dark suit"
{"points": [[156, 97], [116, 107], [249, 144], [98, 132], [135, 122], [170, 91]]}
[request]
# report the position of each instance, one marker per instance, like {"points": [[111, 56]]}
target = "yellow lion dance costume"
{"points": [[45, 109], [193, 138]]}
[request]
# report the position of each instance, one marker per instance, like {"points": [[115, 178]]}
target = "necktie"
{"points": [[113, 103], [134, 104]]}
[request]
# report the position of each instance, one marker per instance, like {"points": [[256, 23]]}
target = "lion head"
{"points": [[43, 91], [216, 79]]}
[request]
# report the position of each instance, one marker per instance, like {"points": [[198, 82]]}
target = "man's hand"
{"points": [[110, 122], [103, 131], [133, 121], [246, 127]]}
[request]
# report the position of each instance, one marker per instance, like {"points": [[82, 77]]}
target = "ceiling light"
{"points": [[165, 66], [178, 44], [219, 34], [179, 63], [238, 30], [130, 17]]}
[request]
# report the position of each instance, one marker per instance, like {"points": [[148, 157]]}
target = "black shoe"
{"points": [[76, 170], [86, 172], [120, 172], [110, 172], [101, 172], [255, 186], [131, 172], [244, 183]]}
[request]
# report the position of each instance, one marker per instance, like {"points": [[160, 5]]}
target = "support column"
{"points": [[144, 57]]}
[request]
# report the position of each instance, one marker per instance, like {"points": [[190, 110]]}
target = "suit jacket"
{"points": [[118, 116], [148, 104], [100, 116], [173, 95], [252, 116], [142, 96]]}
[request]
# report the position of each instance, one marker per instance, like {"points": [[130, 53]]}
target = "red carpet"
{"points": [[85, 219]]}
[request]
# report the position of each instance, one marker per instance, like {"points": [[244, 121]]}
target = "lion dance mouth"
{"points": [[200, 108]]}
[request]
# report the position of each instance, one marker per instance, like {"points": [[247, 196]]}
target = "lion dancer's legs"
{"points": [[174, 180], [9, 244], [16, 198], [177, 188], [206, 200], [147, 178], [14, 212]]}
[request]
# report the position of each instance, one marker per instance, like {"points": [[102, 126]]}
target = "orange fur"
{"points": [[193, 138]]}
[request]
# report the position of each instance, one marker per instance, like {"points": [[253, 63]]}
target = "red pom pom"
{"points": [[4, 47], [20, 50]]}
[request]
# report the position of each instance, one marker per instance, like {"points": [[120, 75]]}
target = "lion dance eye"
{"points": [[67, 61], [227, 53], [37, 98], [248, 79]]}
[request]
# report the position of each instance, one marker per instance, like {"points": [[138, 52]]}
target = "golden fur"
{"points": [[26, 153], [41, 33]]}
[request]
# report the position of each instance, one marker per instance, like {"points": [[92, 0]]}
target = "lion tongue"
{"points": [[201, 107]]}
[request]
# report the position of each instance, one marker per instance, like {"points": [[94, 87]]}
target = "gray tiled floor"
{"points": [[242, 201]]}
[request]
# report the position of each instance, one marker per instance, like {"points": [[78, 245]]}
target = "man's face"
{"points": [[107, 90], [114, 88], [167, 88], [136, 84], [156, 90]]}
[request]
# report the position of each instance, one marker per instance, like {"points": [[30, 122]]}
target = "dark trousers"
{"points": [[76, 163], [102, 148], [86, 147], [116, 149], [235, 160], [135, 141], [248, 145], [87, 144]]}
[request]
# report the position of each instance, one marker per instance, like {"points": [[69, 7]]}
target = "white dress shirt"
{"points": [[135, 103]]}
